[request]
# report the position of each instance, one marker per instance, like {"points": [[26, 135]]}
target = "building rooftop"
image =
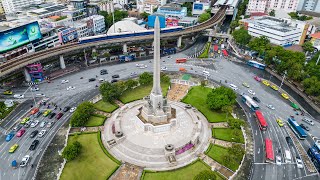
{"points": [[125, 26], [48, 9], [316, 35], [270, 23], [171, 7]]}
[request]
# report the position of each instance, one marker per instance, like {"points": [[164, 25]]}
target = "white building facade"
{"points": [[265, 6], [97, 23], [309, 5]]}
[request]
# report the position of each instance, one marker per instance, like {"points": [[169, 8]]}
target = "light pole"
{"points": [[284, 75], [318, 59], [270, 77]]}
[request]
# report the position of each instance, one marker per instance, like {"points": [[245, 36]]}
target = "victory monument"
{"points": [[155, 133]]}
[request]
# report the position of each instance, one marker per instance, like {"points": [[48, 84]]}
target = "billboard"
{"points": [[197, 6], [68, 35], [19, 36]]}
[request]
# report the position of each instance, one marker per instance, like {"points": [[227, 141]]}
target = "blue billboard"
{"points": [[197, 6], [19, 36]]}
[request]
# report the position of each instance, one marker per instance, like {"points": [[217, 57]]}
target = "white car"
{"points": [[73, 109], [138, 65], [18, 96], [24, 161], [41, 95], [43, 123], [164, 68], [101, 80], [35, 89], [64, 81], [143, 66], [133, 74], [270, 107], [42, 133], [71, 88], [299, 163], [34, 123], [251, 92], [278, 160]]}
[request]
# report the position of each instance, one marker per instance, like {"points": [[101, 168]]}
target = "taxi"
{"points": [[285, 96], [274, 87], [13, 148], [46, 113], [280, 122], [265, 82], [24, 120], [245, 85], [7, 92]]}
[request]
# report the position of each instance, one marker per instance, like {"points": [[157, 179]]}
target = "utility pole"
{"points": [[284, 75], [318, 59]]}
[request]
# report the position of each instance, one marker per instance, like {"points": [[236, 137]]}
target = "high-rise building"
{"points": [[266, 6], [12, 6], [309, 5]]}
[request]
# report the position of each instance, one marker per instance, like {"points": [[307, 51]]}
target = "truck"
{"points": [[301, 134]]}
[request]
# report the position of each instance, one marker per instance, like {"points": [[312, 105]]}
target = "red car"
{"points": [[59, 116], [257, 78], [34, 111], [21, 132]]}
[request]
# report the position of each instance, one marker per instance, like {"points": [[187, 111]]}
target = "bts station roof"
{"points": [[232, 3], [125, 26]]}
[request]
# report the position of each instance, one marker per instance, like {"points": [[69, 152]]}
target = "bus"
{"points": [[181, 60], [215, 48], [269, 151], [250, 102], [262, 123], [256, 64], [315, 157], [296, 128]]}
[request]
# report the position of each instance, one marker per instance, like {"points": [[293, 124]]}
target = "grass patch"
{"points": [[95, 121], [217, 153], [91, 164], [205, 53], [187, 172], [140, 92], [228, 134], [4, 111], [105, 106], [197, 97]]}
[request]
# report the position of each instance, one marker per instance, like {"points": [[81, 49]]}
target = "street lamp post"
{"points": [[284, 75], [318, 59]]}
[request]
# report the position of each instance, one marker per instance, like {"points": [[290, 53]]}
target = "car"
{"points": [[234, 87], [7, 92], [278, 160], [115, 76], [34, 133], [35, 89], [42, 133], [274, 87], [138, 65], [164, 68], [245, 85], [251, 92], [18, 96], [50, 124], [10, 136], [41, 95], [38, 114], [133, 74], [34, 123], [17, 127], [114, 81], [34, 111], [101, 80], [71, 88], [103, 72], [256, 99], [299, 163], [59, 116], [271, 107], [305, 127], [46, 113], [307, 120], [64, 81], [257, 78], [43, 123], [52, 115], [289, 141], [34, 145], [21, 132], [73, 109], [265, 82], [24, 120], [285, 96], [27, 124], [67, 108], [280, 122], [92, 79], [13, 148], [143, 66], [24, 161]]}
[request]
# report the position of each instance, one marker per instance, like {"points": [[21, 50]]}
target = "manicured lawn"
{"points": [[95, 121], [105, 106], [4, 111], [91, 164], [140, 92], [185, 173], [197, 97], [227, 134], [217, 153]]}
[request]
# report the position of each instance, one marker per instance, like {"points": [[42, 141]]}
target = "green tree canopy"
{"points": [[241, 36], [110, 91], [220, 97], [145, 78], [205, 175], [235, 123], [204, 16], [82, 114], [307, 47], [144, 15], [272, 13], [188, 5], [312, 85], [236, 151], [260, 44], [164, 78], [118, 16], [131, 83], [71, 151]]}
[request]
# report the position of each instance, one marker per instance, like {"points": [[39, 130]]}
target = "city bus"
{"points": [[269, 151], [315, 157], [262, 123], [181, 60], [249, 102], [256, 64], [296, 128]]}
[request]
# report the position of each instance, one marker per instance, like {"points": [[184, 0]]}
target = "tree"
{"points": [[312, 85], [241, 36], [108, 18], [131, 83], [205, 175], [236, 151], [188, 5], [164, 78], [71, 151], [82, 114], [235, 123], [220, 97], [307, 47], [227, 109], [109, 91], [234, 24], [260, 44], [272, 13], [106, 54], [145, 78], [144, 15], [204, 16]]}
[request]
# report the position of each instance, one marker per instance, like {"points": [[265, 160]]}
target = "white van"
{"points": [[309, 121], [234, 87], [287, 156], [205, 73]]}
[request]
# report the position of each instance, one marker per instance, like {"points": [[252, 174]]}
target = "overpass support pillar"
{"points": [[62, 64], [26, 74], [179, 41], [125, 48]]}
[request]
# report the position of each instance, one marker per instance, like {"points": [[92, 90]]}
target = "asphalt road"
{"points": [[220, 70]]}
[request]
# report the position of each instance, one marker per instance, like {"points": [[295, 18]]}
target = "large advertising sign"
{"points": [[68, 35], [198, 7], [19, 36]]}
